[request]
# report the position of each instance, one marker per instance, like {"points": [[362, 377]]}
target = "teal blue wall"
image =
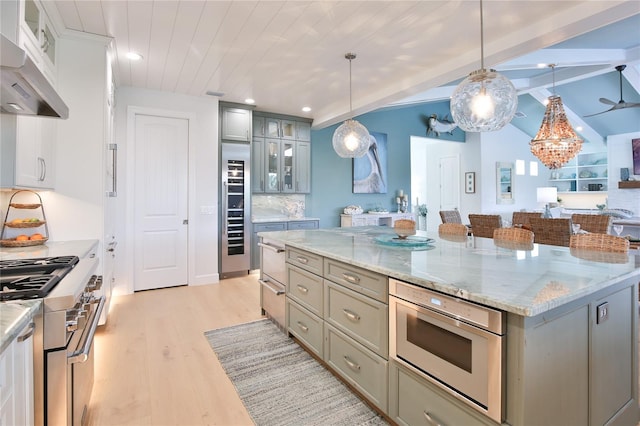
{"points": [[331, 176]]}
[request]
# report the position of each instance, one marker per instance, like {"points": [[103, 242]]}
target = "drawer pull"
{"points": [[352, 365], [433, 420], [303, 327], [351, 315], [302, 289], [302, 260], [271, 247], [351, 278]]}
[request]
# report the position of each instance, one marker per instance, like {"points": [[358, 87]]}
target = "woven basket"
{"points": [[25, 224], [25, 206], [26, 243]]}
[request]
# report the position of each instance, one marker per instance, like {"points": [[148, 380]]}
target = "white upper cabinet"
{"points": [[303, 131], [236, 124], [35, 152], [38, 38]]}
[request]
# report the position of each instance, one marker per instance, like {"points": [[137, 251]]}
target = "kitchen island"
{"points": [[570, 353]]}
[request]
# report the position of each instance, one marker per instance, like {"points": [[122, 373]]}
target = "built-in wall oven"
{"points": [[455, 344]]}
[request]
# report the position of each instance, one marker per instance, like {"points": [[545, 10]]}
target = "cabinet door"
{"points": [[303, 167], [272, 165], [288, 168], [236, 124], [257, 165], [258, 127], [287, 129], [303, 131], [35, 149]]}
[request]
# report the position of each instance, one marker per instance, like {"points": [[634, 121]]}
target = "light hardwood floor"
{"points": [[153, 365]]}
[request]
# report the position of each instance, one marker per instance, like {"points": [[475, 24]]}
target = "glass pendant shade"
{"points": [[556, 142], [351, 139], [483, 102]]}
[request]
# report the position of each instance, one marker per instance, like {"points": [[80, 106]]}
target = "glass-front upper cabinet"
{"points": [[288, 162], [32, 18], [273, 165], [283, 129]]}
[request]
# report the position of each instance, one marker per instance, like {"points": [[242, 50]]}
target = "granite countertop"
{"points": [[526, 283], [266, 219], [14, 317], [80, 248]]}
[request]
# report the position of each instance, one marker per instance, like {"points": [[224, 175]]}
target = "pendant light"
{"points": [[486, 100], [556, 142], [351, 139]]}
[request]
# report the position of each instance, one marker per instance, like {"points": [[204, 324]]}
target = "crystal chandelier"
{"points": [[351, 139], [486, 100], [556, 142]]}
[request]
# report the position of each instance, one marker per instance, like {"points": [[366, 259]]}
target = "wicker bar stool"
{"points": [[522, 218], [455, 232], [598, 223], [600, 242], [450, 216], [556, 232], [453, 229], [513, 238], [482, 225]]}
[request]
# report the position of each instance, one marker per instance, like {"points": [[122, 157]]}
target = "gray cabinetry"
{"points": [[348, 307], [582, 355], [275, 226], [415, 401], [285, 161], [236, 124]]}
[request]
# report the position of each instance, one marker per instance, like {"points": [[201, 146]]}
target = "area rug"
{"points": [[280, 383]]}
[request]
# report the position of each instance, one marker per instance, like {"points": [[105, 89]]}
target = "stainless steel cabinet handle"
{"points": [[271, 247], [28, 333], [351, 278], [114, 170], [273, 288], [261, 185], [433, 420], [302, 289], [352, 365], [303, 327], [302, 260], [351, 315], [225, 194]]}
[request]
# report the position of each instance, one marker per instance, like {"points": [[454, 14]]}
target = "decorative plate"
{"points": [[412, 241]]}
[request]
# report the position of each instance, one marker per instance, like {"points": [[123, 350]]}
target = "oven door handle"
{"points": [[83, 354]]}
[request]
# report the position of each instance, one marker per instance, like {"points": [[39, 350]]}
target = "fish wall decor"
{"points": [[436, 126]]}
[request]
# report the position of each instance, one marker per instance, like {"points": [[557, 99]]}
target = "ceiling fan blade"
{"points": [[602, 112], [607, 101]]}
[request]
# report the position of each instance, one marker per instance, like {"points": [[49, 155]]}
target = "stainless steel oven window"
{"points": [[442, 343]]}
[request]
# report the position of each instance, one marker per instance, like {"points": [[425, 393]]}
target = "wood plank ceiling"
{"points": [[290, 54]]}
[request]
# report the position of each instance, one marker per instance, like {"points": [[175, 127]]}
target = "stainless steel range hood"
{"points": [[25, 90]]}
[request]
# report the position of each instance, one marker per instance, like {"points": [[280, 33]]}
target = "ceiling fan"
{"points": [[621, 104]]}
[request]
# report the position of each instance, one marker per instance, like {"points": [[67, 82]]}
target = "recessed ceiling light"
{"points": [[542, 65], [134, 56], [15, 106], [578, 128], [306, 109], [249, 101]]}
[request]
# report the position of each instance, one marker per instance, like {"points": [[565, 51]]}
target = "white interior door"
{"points": [[161, 188], [449, 182]]}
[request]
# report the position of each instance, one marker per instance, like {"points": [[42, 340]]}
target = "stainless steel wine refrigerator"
{"points": [[235, 247]]}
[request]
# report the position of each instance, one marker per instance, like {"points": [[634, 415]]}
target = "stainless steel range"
{"points": [[63, 333]]}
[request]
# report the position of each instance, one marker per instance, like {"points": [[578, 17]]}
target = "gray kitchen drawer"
{"points": [[303, 224], [305, 288], [360, 317], [307, 327], [358, 279], [305, 260], [269, 226], [412, 398], [359, 366]]}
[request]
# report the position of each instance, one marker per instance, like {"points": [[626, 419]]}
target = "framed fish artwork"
{"points": [[370, 170]]}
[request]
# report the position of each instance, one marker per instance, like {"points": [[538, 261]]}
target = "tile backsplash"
{"points": [[281, 205]]}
